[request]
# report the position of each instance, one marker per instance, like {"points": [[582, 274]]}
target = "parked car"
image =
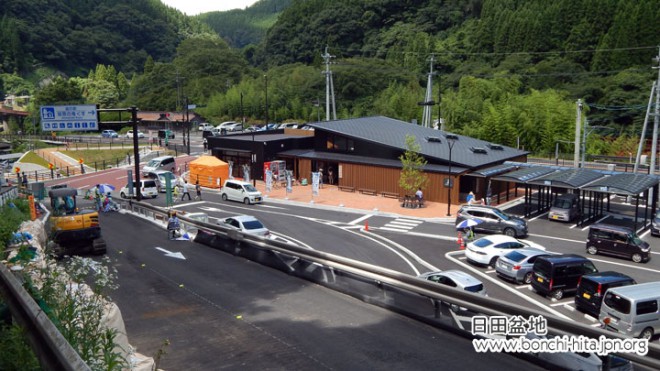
{"points": [[457, 279], [161, 176], [632, 310], [592, 287], [129, 134], [237, 190], [109, 134], [246, 224], [655, 225], [565, 208], [204, 126], [252, 128], [556, 275], [148, 188], [288, 125], [235, 127], [492, 220], [223, 125], [159, 163], [487, 250], [617, 241], [517, 265]]}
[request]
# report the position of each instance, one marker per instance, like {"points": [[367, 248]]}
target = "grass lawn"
{"points": [[33, 158], [110, 156]]}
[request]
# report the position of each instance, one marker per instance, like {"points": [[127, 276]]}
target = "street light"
{"points": [[449, 183]]}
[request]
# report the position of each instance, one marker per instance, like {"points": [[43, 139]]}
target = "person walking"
{"points": [[97, 198], [175, 193], [25, 180], [470, 198], [331, 176], [198, 190], [186, 191], [172, 226]]}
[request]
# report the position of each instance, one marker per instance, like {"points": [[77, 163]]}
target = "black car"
{"points": [[555, 275], [655, 225], [592, 287]]}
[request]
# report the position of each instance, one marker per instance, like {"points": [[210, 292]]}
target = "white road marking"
{"points": [[590, 318], [363, 217], [491, 271], [528, 287], [188, 204], [506, 287], [538, 216], [628, 265], [392, 229], [560, 303]]}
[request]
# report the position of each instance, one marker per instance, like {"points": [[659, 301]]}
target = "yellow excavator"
{"points": [[73, 231]]}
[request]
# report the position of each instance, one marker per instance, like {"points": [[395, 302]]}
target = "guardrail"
{"points": [[422, 300]]}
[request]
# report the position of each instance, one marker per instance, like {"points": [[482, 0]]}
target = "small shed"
{"points": [[210, 171]]}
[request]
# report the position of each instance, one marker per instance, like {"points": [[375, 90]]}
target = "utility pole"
{"points": [[642, 136], [329, 87], [578, 123], [428, 99]]}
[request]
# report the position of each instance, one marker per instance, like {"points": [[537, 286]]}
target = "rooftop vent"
{"points": [[496, 147], [451, 136], [479, 150], [433, 140]]}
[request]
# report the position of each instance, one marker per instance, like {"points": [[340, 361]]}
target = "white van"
{"points": [[159, 163], [632, 310], [148, 188], [237, 190]]}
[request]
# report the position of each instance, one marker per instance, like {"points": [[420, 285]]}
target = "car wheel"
{"points": [[528, 278], [557, 294], [647, 333], [122, 195], [154, 196], [592, 250], [224, 197], [510, 232], [637, 258], [493, 261], [246, 201]]}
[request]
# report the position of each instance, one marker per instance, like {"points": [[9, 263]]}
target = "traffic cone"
{"points": [[366, 226], [460, 242]]}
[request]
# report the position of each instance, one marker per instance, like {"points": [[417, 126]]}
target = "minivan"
{"points": [[556, 275], [592, 287], [493, 220], [617, 241], [564, 208], [632, 310], [148, 188], [237, 190], [159, 163]]}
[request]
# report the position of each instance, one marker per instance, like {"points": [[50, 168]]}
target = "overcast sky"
{"points": [[194, 7]]}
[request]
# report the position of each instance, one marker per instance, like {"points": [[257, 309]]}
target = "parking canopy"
{"points": [[568, 178], [627, 184]]}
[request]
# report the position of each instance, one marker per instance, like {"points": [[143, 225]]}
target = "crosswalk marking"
{"points": [[401, 225]]}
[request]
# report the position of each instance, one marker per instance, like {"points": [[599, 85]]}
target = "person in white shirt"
{"points": [[186, 191]]}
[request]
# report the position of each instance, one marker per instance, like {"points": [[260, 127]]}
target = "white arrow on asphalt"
{"points": [[206, 208], [177, 255]]}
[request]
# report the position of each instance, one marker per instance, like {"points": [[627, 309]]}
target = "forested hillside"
{"points": [[509, 71], [242, 27]]}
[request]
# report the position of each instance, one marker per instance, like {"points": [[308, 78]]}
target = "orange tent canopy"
{"points": [[210, 171]]}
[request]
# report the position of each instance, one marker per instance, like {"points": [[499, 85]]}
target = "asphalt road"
{"points": [[223, 312]]}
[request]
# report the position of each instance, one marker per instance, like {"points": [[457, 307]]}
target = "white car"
{"points": [[225, 124], [487, 250], [205, 126], [246, 224], [457, 279], [129, 134], [148, 188]]}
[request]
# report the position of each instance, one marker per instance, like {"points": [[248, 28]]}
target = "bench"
{"points": [[346, 188], [367, 191], [412, 202], [390, 194]]}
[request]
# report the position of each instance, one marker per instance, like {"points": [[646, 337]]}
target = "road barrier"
{"points": [[424, 301]]}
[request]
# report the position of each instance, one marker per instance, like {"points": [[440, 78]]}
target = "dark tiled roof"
{"points": [[493, 170], [626, 183], [392, 133], [342, 157]]}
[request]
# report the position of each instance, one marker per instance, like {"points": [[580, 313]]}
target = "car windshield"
{"points": [[635, 239], [501, 215], [482, 242], [515, 256], [152, 163], [250, 188], [619, 304], [253, 224], [475, 288], [562, 204]]}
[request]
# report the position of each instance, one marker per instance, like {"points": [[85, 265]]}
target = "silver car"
{"points": [[457, 279], [517, 265], [246, 224]]}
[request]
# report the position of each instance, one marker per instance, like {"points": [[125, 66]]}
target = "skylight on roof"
{"points": [[479, 150], [495, 147], [433, 140]]}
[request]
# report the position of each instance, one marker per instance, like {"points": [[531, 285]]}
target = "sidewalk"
{"points": [[331, 197]]}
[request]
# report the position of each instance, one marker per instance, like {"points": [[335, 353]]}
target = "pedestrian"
{"points": [[469, 233], [25, 180], [320, 177], [489, 196], [175, 192], [186, 191], [470, 198], [419, 197], [97, 198], [198, 190], [331, 176], [172, 226]]}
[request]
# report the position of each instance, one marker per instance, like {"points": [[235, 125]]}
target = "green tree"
{"points": [[412, 174]]}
